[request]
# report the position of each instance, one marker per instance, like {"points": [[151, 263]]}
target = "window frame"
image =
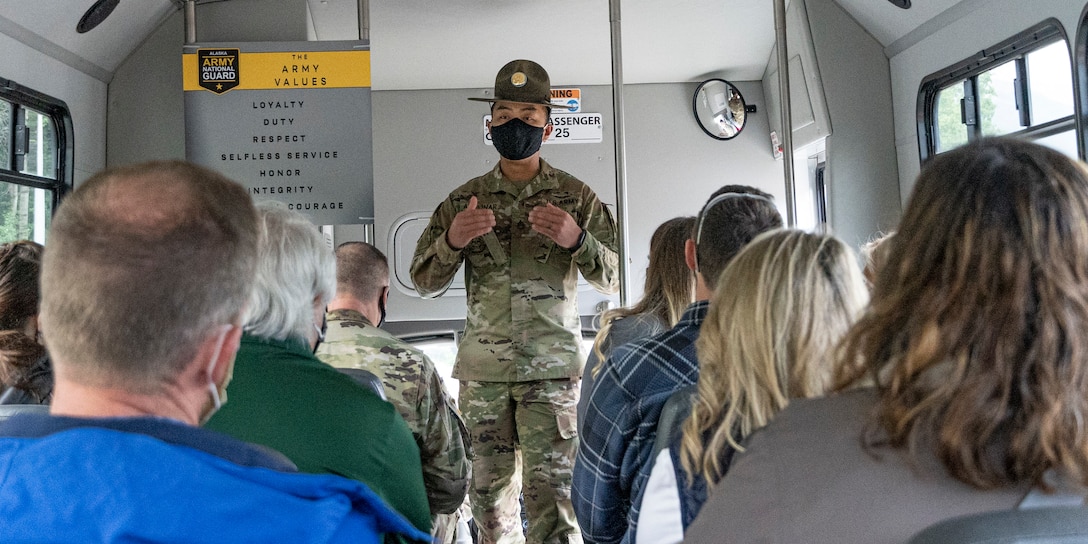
{"points": [[1080, 83], [1015, 50], [22, 98]]}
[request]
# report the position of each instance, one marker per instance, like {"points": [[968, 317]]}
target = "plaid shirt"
{"points": [[621, 424]]}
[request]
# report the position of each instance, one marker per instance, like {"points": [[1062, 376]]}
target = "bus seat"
{"points": [[1050, 525], [366, 379], [8, 410], [676, 409]]}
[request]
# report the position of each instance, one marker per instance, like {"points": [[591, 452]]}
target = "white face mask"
{"points": [[218, 397]]}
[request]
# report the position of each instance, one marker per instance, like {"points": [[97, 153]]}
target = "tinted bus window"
{"points": [[5, 135], [1022, 86], [36, 167], [951, 130]]}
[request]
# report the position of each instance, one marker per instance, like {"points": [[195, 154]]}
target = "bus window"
{"points": [[1049, 81], [1066, 142], [1023, 86], [951, 130], [35, 170], [441, 349], [998, 111], [5, 135], [24, 212]]}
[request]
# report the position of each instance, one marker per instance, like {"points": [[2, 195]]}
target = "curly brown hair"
{"points": [[975, 336], [20, 354]]}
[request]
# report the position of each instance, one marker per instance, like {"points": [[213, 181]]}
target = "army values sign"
{"points": [[290, 121]]}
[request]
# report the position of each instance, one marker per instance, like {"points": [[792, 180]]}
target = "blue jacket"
{"points": [[155, 480]]}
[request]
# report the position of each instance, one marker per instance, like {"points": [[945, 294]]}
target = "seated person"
{"points": [[616, 451], [411, 382], [143, 285], [971, 360], [669, 289], [26, 376], [874, 254], [285, 398], [766, 339]]}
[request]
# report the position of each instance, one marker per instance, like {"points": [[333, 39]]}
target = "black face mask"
{"points": [[516, 139], [381, 306], [321, 331]]}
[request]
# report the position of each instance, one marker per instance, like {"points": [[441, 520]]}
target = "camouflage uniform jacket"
{"points": [[522, 322], [415, 388]]}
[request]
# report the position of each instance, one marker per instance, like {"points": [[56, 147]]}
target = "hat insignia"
{"points": [[518, 79]]}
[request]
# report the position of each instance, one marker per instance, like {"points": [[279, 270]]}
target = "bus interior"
{"points": [[875, 88]]}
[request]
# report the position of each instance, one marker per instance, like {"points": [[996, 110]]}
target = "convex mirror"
{"points": [[719, 109]]}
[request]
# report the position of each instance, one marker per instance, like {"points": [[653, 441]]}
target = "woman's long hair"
{"points": [[20, 268], [781, 306], [976, 332], [670, 284]]}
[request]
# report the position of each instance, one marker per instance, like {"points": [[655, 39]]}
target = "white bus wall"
{"points": [[85, 95], [427, 143], [146, 113], [841, 88], [959, 33], [862, 181]]}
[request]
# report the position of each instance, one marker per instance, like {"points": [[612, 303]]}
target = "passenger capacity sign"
{"points": [[567, 128], [289, 121]]}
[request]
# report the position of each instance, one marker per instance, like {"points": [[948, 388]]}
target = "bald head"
{"points": [[362, 271], [142, 263]]}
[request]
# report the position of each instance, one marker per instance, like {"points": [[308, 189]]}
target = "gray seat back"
{"points": [[366, 379], [8, 410], [673, 414], [1051, 525]]}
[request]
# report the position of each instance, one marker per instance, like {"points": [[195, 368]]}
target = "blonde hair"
{"points": [[874, 255], [669, 287], [976, 332], [782, 305]]}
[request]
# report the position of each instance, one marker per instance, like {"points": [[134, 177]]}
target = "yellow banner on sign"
{"points": [[291, 70]]}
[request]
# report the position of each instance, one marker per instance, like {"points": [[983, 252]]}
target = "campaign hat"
{"points": [[521, 81]]}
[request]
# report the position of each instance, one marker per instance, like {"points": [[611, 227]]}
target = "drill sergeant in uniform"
{"points": [[524, 230], [410, 380]]}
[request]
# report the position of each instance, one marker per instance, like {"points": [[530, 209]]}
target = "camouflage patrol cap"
{"points": [[522, 81]]}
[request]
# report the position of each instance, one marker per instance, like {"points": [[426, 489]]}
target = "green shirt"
{"points": [[282, 397], [414, 387], [522, 322]]}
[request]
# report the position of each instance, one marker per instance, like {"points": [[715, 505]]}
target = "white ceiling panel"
{"points": [[105, 46], [428, 44], [888, 23]]}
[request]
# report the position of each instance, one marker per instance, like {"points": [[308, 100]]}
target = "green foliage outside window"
{"points": [[950, 128]]}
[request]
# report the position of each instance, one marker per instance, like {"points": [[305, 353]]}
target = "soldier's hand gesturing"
{"points": [[553, 222], [468, 224]]}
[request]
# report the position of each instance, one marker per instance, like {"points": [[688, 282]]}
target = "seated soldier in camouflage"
{"points": [[412, 385]]}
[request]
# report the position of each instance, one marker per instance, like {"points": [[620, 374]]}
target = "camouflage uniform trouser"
{"points": [[522, 431]]}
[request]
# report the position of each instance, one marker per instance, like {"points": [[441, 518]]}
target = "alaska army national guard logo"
{"points": [[218, 69]]}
